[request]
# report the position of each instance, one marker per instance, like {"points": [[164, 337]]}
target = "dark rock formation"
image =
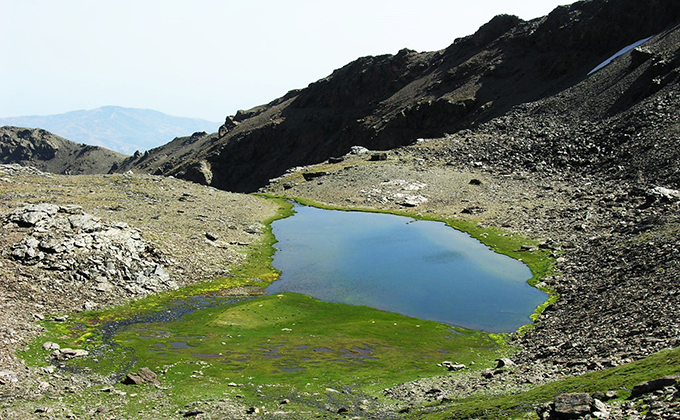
{"points": [[391, 100], [654, 385], [572, 405]]}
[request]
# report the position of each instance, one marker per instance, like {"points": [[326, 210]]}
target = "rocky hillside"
{"points": [[48, 152], [124, 130], [500, 71], [509, 131]]}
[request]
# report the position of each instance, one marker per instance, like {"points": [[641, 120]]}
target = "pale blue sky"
{"points": [[209, 58]]}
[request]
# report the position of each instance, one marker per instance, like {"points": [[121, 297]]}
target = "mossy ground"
{"points": [[290, 345], [297, 342]]}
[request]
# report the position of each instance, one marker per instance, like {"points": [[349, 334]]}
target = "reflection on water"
{"points": [[421, 269]]}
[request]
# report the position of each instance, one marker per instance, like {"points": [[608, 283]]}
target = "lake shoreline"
{"points": [[346, 295], [539, 256]]}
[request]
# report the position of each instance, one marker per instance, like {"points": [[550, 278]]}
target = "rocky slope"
{"points": [[75, 243], [124, 130], [387, 101], [43, 150]]}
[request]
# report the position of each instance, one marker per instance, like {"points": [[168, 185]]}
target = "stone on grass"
{"points": [[144, 376], [453, 366], [504, 362], [48, 345], [68, 353], [651, 386], [573, 404]]}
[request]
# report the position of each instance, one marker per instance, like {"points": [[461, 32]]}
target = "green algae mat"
{"points": [[285, 342]]}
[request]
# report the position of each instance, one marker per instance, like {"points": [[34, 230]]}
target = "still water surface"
{"points": [[417, 268]]}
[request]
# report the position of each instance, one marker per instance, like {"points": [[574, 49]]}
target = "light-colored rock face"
{"points": [[107, 258]]}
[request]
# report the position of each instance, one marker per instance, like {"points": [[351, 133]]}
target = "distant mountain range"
{"points": [[124, 130]]}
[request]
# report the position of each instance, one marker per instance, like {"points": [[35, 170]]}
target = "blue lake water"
{"points": [[417, 268]]}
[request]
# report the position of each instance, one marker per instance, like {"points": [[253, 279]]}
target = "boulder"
{"points": [[199, 172], [378, 156], [665, 194], [504, 362], [472, 210], [640, 55], [84, 222], [572, 405], [308, 176], [358, 150], [408, 200], [193, 413], [71, 209], [69, 353], [651, 386], [229, 124], [600, 409], [453, 367], [7, 377], [144, 376], [32, 214], [48, 345]]}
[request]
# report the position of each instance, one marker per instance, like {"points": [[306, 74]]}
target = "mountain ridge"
{"points": [[121, 129], [391, 100], [51, 153], [514, 143]]}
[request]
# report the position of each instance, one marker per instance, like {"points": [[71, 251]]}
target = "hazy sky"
{"points": [[209, 58]]}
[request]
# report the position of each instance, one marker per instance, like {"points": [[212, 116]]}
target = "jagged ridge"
{"points": [[387, 101]]}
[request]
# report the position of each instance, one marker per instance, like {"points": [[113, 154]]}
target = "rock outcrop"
{"points": [[91, 256]]}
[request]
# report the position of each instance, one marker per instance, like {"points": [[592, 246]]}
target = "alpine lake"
{"points": [[351, 301]]}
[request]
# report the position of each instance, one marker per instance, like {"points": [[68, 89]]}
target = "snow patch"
{"points": [[618, 54]]}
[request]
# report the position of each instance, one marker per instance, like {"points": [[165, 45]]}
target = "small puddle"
{"points": [[322, 349], [173, 311], [291, 369], [206, 355]]}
